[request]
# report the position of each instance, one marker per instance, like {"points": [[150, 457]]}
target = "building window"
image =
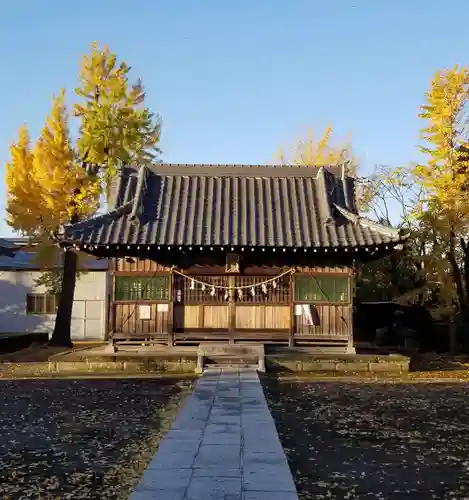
{"points": [[322, 288], [141, 288], [42, 303]]}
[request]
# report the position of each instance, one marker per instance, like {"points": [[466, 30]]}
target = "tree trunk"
{"points": [[465, 249], [62, 335], [457, 274], [452, 336]]}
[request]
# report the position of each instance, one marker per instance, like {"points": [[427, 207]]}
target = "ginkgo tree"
{"points": [[60, 181], [445, 178], [317, 151], [433, 195], [46, 187], [322, 150], [116, 128]]}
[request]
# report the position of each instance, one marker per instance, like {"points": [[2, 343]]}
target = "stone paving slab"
{"points": [[222, 446]]}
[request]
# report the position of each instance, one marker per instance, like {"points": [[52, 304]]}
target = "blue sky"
{"points": [[234, 79]]}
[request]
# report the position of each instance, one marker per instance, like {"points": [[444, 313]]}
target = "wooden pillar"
{"points": [[111, 308], [231, 308], [170, 324], [350, 343], [291, 339]]}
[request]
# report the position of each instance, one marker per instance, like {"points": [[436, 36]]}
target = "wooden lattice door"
{"points": [[199, 307]]}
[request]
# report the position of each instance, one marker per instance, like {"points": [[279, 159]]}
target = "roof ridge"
{"points": [[244, 170]]}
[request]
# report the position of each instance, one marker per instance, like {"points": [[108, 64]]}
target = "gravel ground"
{"points": [[374, 440], [77, 439]]}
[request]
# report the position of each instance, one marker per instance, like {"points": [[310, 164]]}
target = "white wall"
{"points": [[89, 308]]}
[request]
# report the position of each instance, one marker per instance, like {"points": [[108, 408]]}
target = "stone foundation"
{"points": [[348, 363], [89, 367], [293, 362]]}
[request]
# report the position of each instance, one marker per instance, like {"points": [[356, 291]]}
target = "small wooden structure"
{"points": [[235, 253]]}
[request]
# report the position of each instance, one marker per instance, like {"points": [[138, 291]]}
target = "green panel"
{"points": [[322, 288], [141, 288]]}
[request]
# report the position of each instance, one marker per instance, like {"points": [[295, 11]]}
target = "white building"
{"points": [[25, 307]]}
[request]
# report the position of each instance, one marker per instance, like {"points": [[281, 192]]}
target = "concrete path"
{"points": [[222, 446]]}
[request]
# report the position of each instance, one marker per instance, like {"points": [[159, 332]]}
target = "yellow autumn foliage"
{"points": [[59, 182], [116, 128], [320, 151], [47, 185], [56, 181], [444, 213], [23, 200], [445, 176]]}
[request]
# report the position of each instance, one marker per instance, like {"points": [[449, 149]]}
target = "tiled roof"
{"points": [[200, 205]]}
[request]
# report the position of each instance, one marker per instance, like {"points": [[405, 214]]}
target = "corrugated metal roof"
{"points": [[266, 206], [26, 259], [7, 243], [7, 247]]}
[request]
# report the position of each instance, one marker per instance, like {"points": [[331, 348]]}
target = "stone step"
{"points": [[230, 358], [217, 349], [231, 365], [230, 361]]}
